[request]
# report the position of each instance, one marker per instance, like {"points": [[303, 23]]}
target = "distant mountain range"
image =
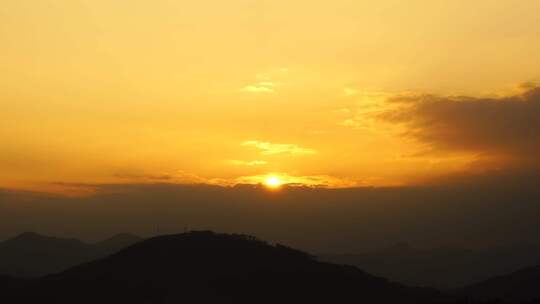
{"points": [[444, 267], [207, 267], [30, 254]]}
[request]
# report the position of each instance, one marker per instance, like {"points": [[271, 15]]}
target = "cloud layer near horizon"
{"points": [[486, 211]]}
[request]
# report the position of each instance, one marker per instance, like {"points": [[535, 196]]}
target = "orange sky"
{"points": [[225, 92]]}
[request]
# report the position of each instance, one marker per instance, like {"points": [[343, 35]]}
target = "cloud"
{"points": [[248, 163], [504, 127], [265, 83], [342, 111], [149, 177], [175, 176], [260, 87], [268, 148], [362, 114], [350, 91], [352, 122], [317, 181]]}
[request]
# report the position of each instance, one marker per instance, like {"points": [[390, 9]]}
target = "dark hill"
{"points": [[205, 267]]}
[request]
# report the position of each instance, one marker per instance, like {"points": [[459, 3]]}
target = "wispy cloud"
{"points": [[175, 176], [251, 163], [265, 83], [363, 114], [148, 177], [268, 148], [317, 181], [350, 91], [260, 87]]}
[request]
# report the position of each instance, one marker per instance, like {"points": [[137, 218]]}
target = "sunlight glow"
{"points": [[273, 182]]}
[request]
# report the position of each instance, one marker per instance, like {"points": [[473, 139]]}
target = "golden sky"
{"points": [[326, 93]]}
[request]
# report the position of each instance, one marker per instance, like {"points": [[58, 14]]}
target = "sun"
{"points": [[273, 182]]}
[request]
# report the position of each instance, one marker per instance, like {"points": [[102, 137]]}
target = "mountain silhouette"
{"points": [[441, 267], [517, 287], [31, 254], [206, 267]]}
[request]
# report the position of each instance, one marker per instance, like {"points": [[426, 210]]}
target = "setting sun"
{"points": [[273, 182]]}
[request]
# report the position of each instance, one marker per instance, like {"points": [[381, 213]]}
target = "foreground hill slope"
{"points": [[205, 267]]}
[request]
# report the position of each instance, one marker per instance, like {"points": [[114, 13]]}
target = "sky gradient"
{"points": [[333, 94]]}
